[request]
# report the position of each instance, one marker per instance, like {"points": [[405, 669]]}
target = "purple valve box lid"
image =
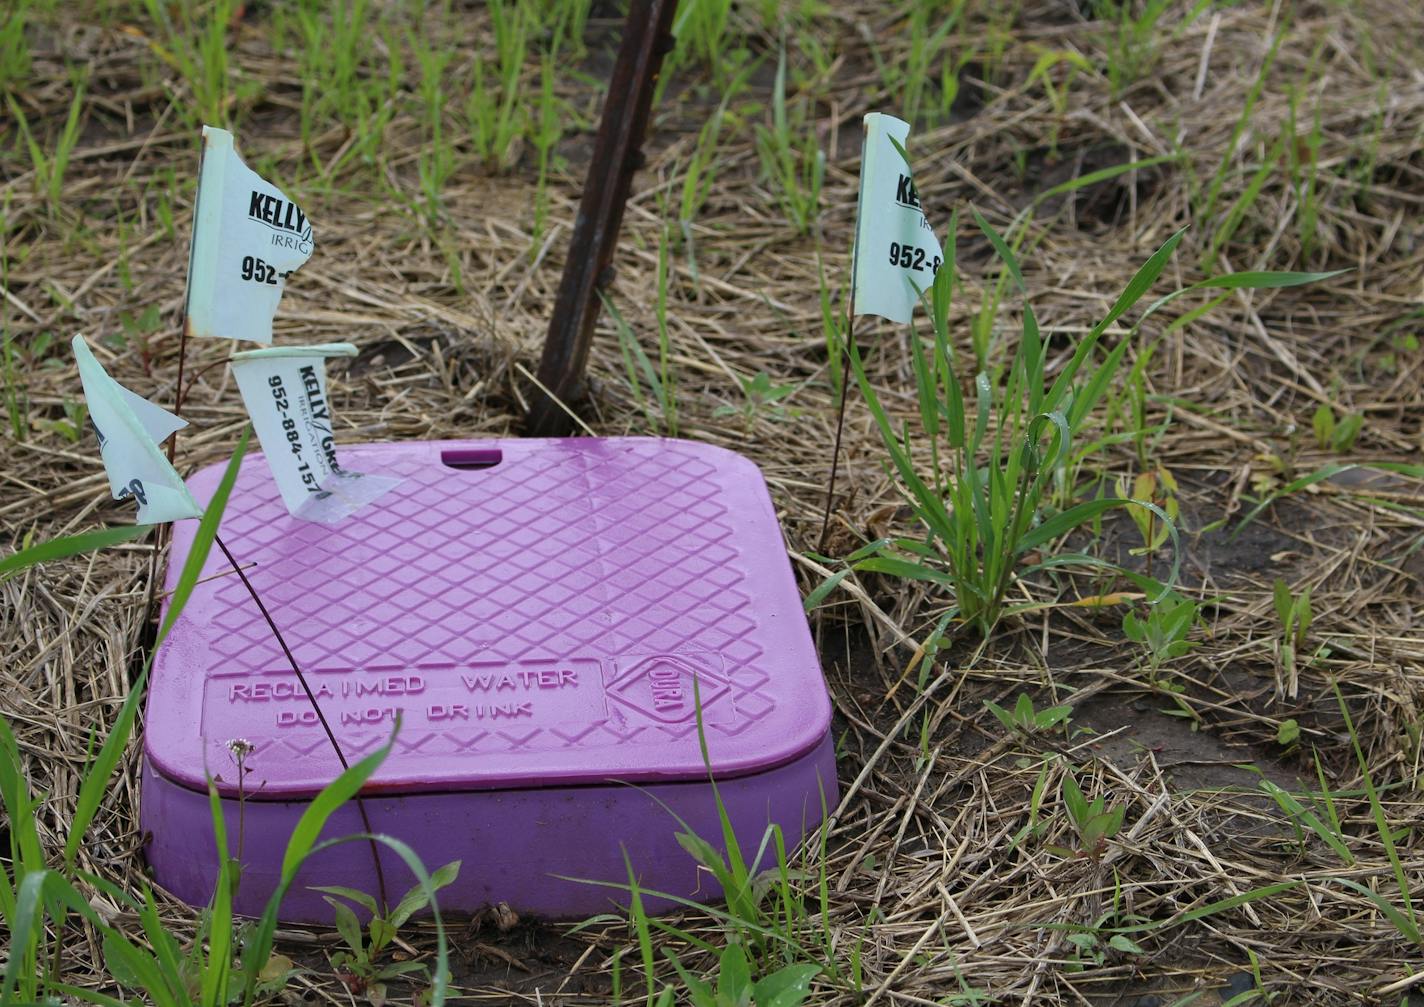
{"points": [[535, 611]]}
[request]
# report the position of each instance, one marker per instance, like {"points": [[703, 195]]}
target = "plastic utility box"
{"points": [[535, 613]]}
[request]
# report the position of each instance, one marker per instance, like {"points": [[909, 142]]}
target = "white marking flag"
{"points": [[284, 389], [130, 428], [247, 237], [896, 251]]}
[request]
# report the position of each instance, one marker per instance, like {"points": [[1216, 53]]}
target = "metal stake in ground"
{"points": [[647, 37]]}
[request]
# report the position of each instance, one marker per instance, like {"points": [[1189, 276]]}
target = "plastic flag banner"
{"points": [[247, 238], [130, 428], [284, 389], [896, 251]]}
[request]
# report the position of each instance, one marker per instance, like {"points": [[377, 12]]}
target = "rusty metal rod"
{"points": [[617, 154]]}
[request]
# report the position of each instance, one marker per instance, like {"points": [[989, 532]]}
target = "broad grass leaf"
{"points": [[70, 545], [786, 987], [904, 568], [820, 592], [26, 927]]}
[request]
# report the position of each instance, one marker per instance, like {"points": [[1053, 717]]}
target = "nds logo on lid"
{"points": [[660, 687]]}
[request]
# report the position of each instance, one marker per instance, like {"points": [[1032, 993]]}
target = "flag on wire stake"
{"points": [[284, 389], [896, 252], [247, 238], [130, 428]]}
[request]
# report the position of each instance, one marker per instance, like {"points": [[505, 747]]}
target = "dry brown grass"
{"points": [[921, 866]]}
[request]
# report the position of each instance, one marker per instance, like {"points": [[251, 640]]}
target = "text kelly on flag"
{"points": [[247, 237], [284, 389]]}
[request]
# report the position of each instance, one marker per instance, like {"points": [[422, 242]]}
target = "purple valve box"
{"points": [[535, 613]]}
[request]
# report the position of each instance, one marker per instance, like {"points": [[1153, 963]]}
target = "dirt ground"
{"points": [[449, 310]]}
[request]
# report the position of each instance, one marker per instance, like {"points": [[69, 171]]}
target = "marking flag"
{"points": [[248, 237], [130, 428], [284, 389], [896, 251]]}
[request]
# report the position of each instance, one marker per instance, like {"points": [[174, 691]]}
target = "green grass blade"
{"points": [[1210, 909], [1104, 174], [1004, 252], [904, 569], [738, 893], [640, 926], [1377, 812], [1065, 521], [89, 996], [215, 975], [1096, 386], [926, 502], [440, 978], [97, 779], [70, 545], [165, 947], [19, 805], [333, 795], [1140, 283], [1249, 280], [135, 965], [1404, 924], [1238, 209], [301, 845], [1296, 810], [203, 540], [1294, 486], [26, 928], [1208, 212], [1263, 280], [823, 590]]}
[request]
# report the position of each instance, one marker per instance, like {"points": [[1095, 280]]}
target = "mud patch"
{"points": [[1190, 759]]}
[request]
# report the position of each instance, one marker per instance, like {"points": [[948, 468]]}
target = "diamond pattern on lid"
{"points": [[648, 558]]}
